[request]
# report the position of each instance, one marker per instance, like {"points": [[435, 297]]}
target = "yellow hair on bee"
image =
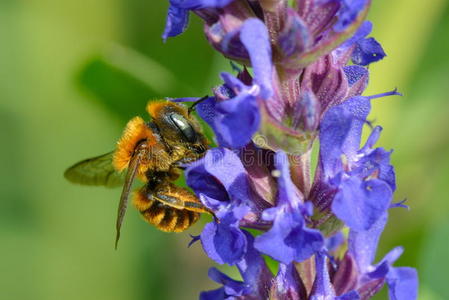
{"points": [[135, 131], [140, 200], [156, 108]]}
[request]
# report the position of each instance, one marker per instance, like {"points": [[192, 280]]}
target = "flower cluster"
{"points": [[301, 81]]}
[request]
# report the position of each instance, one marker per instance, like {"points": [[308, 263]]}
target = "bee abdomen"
{"points": [[164, 217]]}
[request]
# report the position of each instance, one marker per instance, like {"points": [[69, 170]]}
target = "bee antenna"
{"points": [[192, 107]]}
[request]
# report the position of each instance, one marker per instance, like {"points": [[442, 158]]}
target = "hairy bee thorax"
{"points": [[138, 134]]}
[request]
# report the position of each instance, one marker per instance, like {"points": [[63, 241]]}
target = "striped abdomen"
{"points": [[164, 217]]}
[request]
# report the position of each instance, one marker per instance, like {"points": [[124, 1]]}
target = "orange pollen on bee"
{"points": [[135, 131]]}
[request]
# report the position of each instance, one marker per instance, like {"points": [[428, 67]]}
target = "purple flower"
{"points": [[359, 182], [219, 179], [256, 278], [289, 239], [402, 281], [363, 50], [367, 51], [234, 112], [295, 86]]}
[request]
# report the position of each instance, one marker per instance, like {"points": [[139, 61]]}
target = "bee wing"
{"points": [[129, 179], [95, 171]]}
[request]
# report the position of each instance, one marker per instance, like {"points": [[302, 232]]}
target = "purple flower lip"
{"points": [[178, 14], [289, 239], [352, 183]]}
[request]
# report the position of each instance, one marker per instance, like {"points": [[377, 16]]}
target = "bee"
{"points": [[155, 152]]}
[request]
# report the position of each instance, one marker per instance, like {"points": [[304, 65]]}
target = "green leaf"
{"points": [[123, 80]]}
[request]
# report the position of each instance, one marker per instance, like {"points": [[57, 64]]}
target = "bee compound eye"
{"points": [[184, 127]]}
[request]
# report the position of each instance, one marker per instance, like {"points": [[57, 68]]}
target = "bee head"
{"points": [[176, 125]]}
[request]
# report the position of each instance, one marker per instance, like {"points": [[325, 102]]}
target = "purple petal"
{"points": [[219, 179], [287, 191], [176, 23], [377, 164], [358, 108], [206, 110], [379, 272], [256, 277], [211, 192], [226, 167], [272, 242], [365, 28], [218, 294], [289, 240], [348, 13], [343, 53], [197, 4], [393, 255], [255, 273], [367, 51], [231, 287], [402, 284], [322, 286], [233, 120], [236, 127], [361, 203], [304, 241], [363, 244], [254, 36], [357, 78], [341, 129], [372, 139], [223, 243], [178, 14], [377, 160], [352, 295], [355, 73], [233, 83], [334, 129]]}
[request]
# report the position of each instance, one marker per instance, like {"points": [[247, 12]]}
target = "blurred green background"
{"points": [[59, 61]]}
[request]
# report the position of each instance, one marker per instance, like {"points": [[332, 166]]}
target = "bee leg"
{"points": [[178, 197], [182, 199]]}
